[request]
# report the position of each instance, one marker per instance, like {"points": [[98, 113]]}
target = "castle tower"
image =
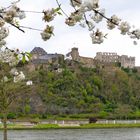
{"points": [[75, 54], [37, 51]]}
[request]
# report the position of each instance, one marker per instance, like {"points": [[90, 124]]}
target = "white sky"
{"points": [[67, 37]]}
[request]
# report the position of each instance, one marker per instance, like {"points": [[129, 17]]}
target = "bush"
{"points": [[11, 116], [44, 116], [35, 120]]}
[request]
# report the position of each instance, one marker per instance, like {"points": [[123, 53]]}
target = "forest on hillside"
{"points": [[80, 92]]}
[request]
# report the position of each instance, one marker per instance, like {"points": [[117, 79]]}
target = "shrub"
{"points": [[11, 116]]}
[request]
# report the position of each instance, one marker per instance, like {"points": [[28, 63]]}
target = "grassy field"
{"points": [[85, 126]]}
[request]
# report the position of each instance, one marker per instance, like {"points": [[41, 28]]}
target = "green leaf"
{"points": [[59, 13], [23, 59], [57, 9], [29, 55]]}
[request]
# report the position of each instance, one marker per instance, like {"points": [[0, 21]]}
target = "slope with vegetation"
{"points": [[79, 92]]}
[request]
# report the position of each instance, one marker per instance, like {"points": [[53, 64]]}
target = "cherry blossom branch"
{"points": [[13, 25], [96, 11]]}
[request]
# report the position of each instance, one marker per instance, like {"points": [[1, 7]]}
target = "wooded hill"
{"points": [[78, 92]]}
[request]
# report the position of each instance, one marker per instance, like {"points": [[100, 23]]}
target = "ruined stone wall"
{"points": [[113, 57], [127, 61], [88, 62], [106, 57]]}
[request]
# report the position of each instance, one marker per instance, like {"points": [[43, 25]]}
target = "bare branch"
{"points": [[30, 28]]}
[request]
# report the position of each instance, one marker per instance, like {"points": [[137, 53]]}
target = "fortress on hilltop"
{"points": [[41, 58], [103, 58]]}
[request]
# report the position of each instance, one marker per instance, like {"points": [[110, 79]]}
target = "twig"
{"points": [[17, 27], [30, 28], [73, 5], [59, 5], [32, 11], [86, 20]]}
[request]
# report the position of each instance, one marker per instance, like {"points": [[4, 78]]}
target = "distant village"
{"points": [[41, 57]]}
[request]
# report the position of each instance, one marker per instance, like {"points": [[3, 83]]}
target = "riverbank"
{"points": [[56, 126]]}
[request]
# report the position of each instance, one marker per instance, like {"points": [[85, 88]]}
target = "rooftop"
{"points": [[38, 50]]}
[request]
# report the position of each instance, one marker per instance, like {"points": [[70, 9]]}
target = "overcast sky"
{"points": [[66, 37]]}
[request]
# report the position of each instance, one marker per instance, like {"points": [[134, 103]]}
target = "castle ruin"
{"points": [[86, 61], [124, 60], [102, 57]]}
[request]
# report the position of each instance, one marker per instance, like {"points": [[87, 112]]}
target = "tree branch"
{"points": [[13, 25]]}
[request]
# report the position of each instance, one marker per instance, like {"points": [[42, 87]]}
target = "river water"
{"points": [[75, 134]]}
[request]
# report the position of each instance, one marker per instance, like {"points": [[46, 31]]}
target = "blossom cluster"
{"points": [[87, 13], [18, 75], [8, 15], [47, 32], [97, 37], [9, 57], [75, 17], [12, 12], [91, 9], [4, 32], [49, 15]]}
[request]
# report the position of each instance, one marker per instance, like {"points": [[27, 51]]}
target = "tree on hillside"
{"points": [[10, 89]]}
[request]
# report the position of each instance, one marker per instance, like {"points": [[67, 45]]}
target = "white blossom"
{"points": [[98, 17], [47, 33], [2, 22], [14, 72], [19, 77], [90, 4], [91, 26], [20, 14], [2, 43], [70, 21], [97, 37], [75, 17], [4, 32], [13, 11], [8, 56], [75, 3], [29, 83], [124, 27], [135, 34], [49, 15], [114, 20], [45, 36], [82, 24]]}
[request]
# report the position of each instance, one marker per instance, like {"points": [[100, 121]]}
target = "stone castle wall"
{"points": [[86, 61], [103, 57], [106, 57], [124, 60]]}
